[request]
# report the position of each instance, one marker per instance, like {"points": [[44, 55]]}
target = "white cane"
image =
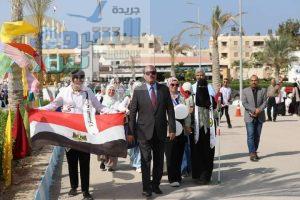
{"points": [[219, 149]]}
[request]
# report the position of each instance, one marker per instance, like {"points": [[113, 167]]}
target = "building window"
{"points": [[247, 43], [141, 45], [151, 45], [235, 43], [236, 54], [224, 55], [258, 43], [224, 44], [247, 54]]}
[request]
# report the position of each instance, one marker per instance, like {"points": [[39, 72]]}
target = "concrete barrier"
{"points": [[43, 191]]}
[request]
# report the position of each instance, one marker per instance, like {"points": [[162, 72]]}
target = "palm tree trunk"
{"points": [[173, 74], [15, 88], [215, 64], [277, 71], [39, 48], [133, 72]]}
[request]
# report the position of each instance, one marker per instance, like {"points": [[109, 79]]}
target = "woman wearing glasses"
{"points": [[174, 149]]}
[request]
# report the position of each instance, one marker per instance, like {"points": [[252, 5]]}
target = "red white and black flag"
{"points": [[69, 130]]}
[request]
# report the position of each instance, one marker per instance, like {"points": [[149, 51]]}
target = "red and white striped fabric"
{"points": [[68, 130]]}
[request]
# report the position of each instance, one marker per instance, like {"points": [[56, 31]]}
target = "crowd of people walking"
{"points": [[154, 131]]}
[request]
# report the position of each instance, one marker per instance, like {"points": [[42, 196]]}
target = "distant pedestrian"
{"points": [[272, 92], [254, 100], [296, 99], [226, 95]]}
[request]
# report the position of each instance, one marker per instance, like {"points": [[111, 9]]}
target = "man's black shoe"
{"points": [[110, 170], [257, 157], [229, 126], [156, 190], [87, 196], [147, 193], [253, 158], [102, 166], [72, 192]]}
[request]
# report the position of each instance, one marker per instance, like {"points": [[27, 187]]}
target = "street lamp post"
{"points": [[241, 52], [200, 31], [200, 61]]}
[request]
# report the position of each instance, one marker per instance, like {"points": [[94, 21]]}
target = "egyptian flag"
{"points": [[69, 130]]}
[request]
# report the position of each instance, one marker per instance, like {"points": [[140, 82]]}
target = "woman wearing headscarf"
{"points": [[112, 102], [203, 139], [174, 148]]}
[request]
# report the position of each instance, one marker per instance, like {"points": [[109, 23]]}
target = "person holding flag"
{"points": [[72, 100]]}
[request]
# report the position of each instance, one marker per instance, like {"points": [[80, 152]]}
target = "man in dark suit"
{"points": [[254, 101], [151, 103]]}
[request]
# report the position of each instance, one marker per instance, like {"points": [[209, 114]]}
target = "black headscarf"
{"points": [[202, 95]]}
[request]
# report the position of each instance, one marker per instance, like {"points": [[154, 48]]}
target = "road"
{"points": [[275, 176]]}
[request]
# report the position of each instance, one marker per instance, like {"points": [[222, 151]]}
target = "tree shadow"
{"points": [[234, 156], [285, 153], [238, 182]]}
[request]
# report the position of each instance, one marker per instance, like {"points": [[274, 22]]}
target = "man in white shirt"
{"points": [[72, 99], [226, 94]]}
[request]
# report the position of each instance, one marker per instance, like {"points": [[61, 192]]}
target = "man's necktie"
{"points": [[153, 96]]}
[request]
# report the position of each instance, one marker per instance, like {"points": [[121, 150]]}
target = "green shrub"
{"points": [[3, 119]]}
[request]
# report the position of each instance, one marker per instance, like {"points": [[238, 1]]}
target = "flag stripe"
{"points": [[108, 135], [76, 121], [116, 148]]}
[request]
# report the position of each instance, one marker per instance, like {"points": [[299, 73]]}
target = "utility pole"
{"points": [[241, 52]]}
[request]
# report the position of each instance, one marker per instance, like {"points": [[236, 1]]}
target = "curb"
{"points": [[43, 191]]}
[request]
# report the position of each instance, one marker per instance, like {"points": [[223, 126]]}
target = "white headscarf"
{"points": [[171, 80], [109, 101]]}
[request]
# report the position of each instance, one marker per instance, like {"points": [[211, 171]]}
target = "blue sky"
{"points": [[167, 15]]}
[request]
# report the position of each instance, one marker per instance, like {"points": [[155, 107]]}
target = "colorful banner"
{"points": [[10, 30], [7, 152], [30, 51], [5, 63], [69, 130], [16, 55], [21, 145]]}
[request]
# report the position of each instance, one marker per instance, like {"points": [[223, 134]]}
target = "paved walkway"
{"points": [[275, 176]]}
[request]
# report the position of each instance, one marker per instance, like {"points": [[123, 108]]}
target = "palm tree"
{"points": [[256, 59], [174, 49], [14, 82], [217, 23], [277, 54], [132, 61], [38, 8]]}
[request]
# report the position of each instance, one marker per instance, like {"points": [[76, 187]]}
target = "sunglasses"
{"points": [[150, 72], [81, 77], [173, 85]]}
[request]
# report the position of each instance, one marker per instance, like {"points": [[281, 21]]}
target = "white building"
{"points": [[294, 72]]}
